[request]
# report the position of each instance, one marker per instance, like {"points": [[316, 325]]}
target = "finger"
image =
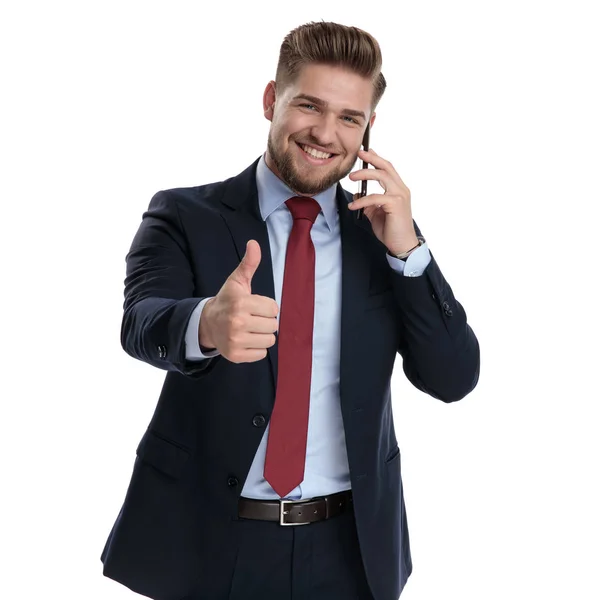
{"points": [[382, 178], [261, 306], [377, 161], [250, 262], [369, 174], [257, 340], [262, 325], [370, 200], [374, 159]]}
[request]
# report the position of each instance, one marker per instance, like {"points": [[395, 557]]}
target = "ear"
{"points": [[372, 121], [269, 98]]}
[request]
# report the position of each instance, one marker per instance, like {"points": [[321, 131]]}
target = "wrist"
{"points": [[204, 337], [406, 248]]}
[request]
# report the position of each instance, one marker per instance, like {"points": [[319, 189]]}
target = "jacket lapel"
{"points": [[355, 289], [245, 222]]}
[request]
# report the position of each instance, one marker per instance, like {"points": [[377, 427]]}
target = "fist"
{"points": [[239, 324]]}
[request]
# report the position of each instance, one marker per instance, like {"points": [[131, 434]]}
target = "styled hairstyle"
{"points": [[331, 44]]}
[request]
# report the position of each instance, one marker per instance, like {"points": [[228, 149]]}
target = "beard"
{"points": [[311, 184]]}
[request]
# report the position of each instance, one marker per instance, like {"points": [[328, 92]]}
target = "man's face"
{"points": [[327, 121]]}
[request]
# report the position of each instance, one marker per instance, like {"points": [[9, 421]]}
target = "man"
{"points": [[278, 314]]}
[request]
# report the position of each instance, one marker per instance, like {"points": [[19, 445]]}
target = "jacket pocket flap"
{"points": [[392, 455], [162, 454], [379, 299]]}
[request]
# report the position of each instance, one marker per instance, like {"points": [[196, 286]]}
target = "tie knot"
{"points": [[303, 207]]}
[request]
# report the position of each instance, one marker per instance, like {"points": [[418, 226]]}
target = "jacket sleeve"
{"points": [[440, 352], [159, 288]]}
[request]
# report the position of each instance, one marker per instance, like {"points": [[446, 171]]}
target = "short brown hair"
{"points": [[331, 44]]}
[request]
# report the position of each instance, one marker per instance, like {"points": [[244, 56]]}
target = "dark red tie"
{"points": [[288, 428]]}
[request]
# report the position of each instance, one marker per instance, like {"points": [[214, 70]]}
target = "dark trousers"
{"points": [[320, 561]]}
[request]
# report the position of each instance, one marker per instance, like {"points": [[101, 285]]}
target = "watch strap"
{"points": [[405, 255]]}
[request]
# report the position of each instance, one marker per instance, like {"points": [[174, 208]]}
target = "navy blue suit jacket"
{"points": [[174, 531]]}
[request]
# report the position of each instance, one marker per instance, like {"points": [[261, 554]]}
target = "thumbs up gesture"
{"points": [[239, 324]]}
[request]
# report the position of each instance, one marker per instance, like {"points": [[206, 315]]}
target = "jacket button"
{"points": [[232, 481], [447, 309], [162, 351], [258, 421]]}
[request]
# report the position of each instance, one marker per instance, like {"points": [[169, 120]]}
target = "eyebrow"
{"points": [[319, 102]]}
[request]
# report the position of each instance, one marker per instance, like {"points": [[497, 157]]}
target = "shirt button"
{"points": [[232, 481]]}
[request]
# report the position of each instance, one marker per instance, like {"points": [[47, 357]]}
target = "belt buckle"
{"points": [[282, 512]]}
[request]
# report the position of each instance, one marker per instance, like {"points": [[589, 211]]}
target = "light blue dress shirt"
{"points": [[326, 467]]}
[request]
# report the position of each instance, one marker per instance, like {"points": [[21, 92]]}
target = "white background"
{"points": [[491, 119]]}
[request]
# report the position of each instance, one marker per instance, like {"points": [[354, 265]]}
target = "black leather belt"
{"points": [[296, 512]]}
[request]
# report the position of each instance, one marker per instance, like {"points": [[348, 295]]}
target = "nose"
{"points": [[324, 132]]}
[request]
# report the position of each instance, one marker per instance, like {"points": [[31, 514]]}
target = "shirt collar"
{"points": [[273, 192]]}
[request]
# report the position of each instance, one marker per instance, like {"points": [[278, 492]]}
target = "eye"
{"points": [[354, 121]]}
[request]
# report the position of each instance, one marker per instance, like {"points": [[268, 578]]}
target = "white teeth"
{"points": [[315, 153]]}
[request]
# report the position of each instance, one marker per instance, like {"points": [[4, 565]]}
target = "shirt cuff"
{"points": [[192, 344], [414, 265]]}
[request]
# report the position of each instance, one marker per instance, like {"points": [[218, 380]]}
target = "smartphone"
{"points": [[365, 165]]}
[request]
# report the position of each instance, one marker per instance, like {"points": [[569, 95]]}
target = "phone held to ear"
{"points": [[365, 165]]}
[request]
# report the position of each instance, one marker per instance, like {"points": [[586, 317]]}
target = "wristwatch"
{"points": [[405, 255]]}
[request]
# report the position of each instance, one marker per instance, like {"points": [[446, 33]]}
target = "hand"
{"points": [[390, 213], [239, 324]]}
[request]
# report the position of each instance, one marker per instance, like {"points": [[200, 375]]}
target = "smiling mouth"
{"points": [[316, 160]]}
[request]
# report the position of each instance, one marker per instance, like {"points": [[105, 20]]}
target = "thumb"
{"points": [[246, 269]]}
